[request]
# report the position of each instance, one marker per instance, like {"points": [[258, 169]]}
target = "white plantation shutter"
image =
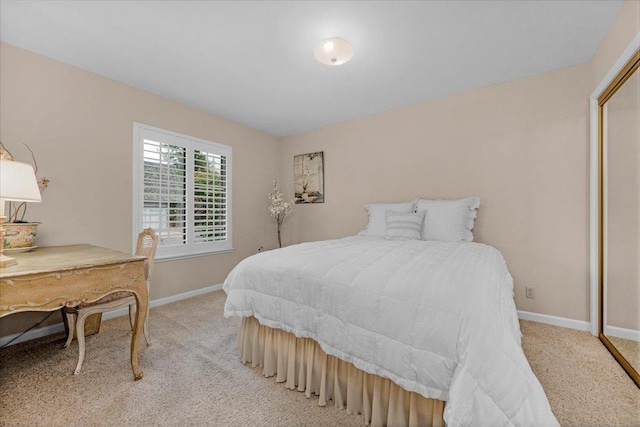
{"points": [[182, 190], [164, 188], [210, 197]]}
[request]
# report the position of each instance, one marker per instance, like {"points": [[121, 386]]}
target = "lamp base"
{"points": [[7, 261]]}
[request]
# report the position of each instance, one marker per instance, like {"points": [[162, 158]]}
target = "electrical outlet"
{"points": [[530, 292]]}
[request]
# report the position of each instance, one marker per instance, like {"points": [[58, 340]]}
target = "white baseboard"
{"points": [[59, 327], [185, 295], [580, 325], [628, 334]]}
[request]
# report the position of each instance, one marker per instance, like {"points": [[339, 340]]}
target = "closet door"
{"points": [[619, 108]]}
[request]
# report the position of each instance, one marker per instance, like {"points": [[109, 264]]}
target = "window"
{"points": [[182, 190]]}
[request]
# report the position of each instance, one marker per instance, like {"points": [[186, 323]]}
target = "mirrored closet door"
{"points": [[619, 125]]}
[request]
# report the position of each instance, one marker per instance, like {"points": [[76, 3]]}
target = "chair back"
{"points": [[146, 246]]}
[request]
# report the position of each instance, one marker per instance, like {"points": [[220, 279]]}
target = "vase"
{"points": [[20, 234], [279, 239]]}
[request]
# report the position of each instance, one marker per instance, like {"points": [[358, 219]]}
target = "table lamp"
{"points": [[17, 184]]}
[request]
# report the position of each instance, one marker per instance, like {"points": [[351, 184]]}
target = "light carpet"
{"points": [[192, 376]]}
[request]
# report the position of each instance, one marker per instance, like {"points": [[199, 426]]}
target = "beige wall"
{"points": [[522, 147], [80, 126]]}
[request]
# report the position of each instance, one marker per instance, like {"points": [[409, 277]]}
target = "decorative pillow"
{"points": [[402, 225], [377, 226], [448, 220]]}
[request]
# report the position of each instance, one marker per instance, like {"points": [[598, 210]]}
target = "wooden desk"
{"points": [[49, 278]]}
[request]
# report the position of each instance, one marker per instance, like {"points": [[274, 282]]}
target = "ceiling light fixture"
{"points": [[334, 51]]}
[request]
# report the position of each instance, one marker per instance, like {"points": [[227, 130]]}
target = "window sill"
{"points": [[165, 258]]}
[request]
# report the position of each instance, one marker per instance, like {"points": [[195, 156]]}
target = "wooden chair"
{"points": [[76, 316]]}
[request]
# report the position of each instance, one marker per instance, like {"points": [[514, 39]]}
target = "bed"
{"points": [[409, 332]]}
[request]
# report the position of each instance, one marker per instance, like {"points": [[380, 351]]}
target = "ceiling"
{"points": [[252, 62]]}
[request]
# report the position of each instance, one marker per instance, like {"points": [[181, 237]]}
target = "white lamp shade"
{"points": [[334, 51], [18, 182]]}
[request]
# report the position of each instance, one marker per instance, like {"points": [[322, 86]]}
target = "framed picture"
{"points": [[308, 177]]}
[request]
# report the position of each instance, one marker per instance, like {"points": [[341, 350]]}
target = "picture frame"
{"points": [[308, 178]]}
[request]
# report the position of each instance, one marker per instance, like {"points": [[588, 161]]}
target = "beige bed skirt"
{"points": [[301, 364]]}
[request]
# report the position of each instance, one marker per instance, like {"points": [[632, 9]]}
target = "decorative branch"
{"points": [[278, 208], [42, 184], [6, 151], [33, 157], [14, 217]]}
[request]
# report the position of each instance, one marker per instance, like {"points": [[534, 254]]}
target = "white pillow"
{"points": [[448, 220], [402, 225], [377, 226]]}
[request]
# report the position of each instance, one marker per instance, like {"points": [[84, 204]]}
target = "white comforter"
{"points": [[436, 318]]}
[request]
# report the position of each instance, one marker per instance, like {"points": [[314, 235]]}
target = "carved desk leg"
{"points": [[142, 302]]}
